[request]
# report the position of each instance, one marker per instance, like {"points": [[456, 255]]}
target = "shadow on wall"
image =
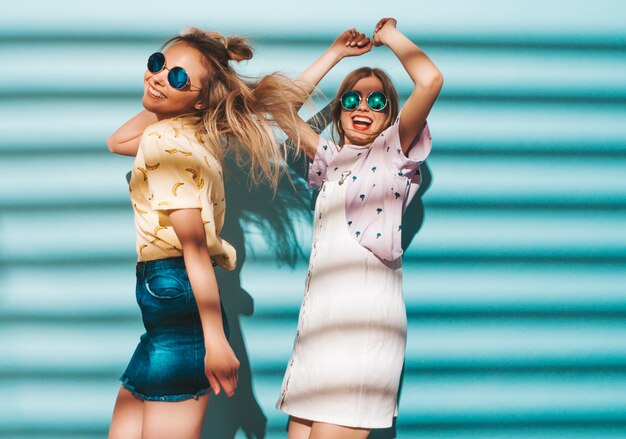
{"points": [[274, 215], [412, 221], [413, 217]]}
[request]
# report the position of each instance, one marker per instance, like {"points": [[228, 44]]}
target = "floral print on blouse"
{"points": [[381, 180]]}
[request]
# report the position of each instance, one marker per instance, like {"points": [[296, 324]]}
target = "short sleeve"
{"points": [[170, 171], [324, 155], [221, 251], [418, 151]]}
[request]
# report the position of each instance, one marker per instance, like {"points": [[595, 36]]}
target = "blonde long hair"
{"points": [[245, 112]]}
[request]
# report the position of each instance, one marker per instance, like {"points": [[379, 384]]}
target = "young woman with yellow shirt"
{"points": [[196, 108]]}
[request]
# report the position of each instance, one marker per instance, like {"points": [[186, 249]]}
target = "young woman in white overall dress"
{"points": [[343, 376]]}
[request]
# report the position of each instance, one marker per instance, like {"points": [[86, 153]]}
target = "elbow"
{"points": [[117, 147], [194, 246], [438, 81], [112, 145], [435, 82]]}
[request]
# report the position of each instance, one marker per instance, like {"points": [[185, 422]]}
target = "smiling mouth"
{"points": [[155, 94], [361, 123]]}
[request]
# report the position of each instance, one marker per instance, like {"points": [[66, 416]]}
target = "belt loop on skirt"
{"points": [[141, 270]]}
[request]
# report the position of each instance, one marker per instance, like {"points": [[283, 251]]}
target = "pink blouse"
{"points": [[381, 183]]}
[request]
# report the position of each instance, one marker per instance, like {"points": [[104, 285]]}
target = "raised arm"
{"points": [[427, 78], [125, 140], [221, 365], [349, 43]]}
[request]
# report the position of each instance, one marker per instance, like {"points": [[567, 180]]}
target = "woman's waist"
{"points": [[148, 268]]}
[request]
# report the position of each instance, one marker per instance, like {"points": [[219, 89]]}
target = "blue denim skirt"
{"points": [[168, 364]]}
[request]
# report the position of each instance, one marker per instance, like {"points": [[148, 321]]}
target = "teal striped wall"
{"points": [[515, 284]]}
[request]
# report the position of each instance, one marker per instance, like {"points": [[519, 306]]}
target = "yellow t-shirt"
{"points": [[174, 170]]}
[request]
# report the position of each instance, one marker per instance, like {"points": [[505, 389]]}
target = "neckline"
{"points": [[352, 146]]}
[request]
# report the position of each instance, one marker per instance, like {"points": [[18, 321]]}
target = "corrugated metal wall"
{"points": [[515, 282]]}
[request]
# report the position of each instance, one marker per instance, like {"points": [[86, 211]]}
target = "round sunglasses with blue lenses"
{"points": [[177, 76], [376, 100]]}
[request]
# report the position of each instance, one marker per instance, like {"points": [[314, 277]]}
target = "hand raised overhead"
{"points": [[383, 25], [352, 43]]}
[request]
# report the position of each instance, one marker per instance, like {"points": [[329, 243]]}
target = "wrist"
{"points": [[215, 336], [212, 326], [334, 54], [386, 34]]}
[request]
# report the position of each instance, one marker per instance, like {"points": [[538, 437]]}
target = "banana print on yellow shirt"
{"points": [[175, 151], [174, 170]]}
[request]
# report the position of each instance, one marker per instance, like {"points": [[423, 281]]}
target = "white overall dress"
{"points": [[349, 348]]}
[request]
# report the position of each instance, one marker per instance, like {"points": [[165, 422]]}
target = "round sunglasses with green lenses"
{"points": [[376, 100]]}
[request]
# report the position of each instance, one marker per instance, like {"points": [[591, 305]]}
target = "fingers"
{"points": [[227, 385], [221, 366], [228, 380], [381, 23], [362, 41], [232, 379], [236, 373], [354, 38], [224, 378], [213, 382], [350, 34], [359, 40]]}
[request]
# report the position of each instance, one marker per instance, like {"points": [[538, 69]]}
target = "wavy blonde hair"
{"points": [[244, 111]]}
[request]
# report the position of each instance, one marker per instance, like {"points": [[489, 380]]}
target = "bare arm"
{"points": [[427, 78], [349, 43], [221, 365], [318, 123], [125, 140]]}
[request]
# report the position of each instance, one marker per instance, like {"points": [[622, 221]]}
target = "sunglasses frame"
{"points": [[164, 67], [367, 100]]}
